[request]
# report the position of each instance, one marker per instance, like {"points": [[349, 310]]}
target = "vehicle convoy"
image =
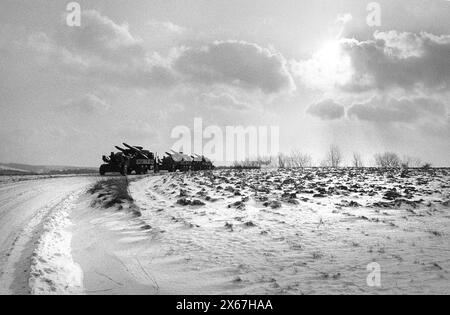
{"points": [[178, 161], [136, 159]]}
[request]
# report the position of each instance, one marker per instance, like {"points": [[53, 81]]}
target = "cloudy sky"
{"points": [[136, 69]]}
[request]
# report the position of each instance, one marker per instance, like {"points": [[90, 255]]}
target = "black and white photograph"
{"points": [[224, 153]]}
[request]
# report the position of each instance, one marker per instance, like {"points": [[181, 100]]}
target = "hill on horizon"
{"points": [[22, 169]]}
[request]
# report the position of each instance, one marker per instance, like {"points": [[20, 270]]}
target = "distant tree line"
{"points": [[333, 159], [392, 160], [253, 163]]}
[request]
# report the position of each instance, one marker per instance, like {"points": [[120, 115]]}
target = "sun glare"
{"points": [[333, 62], [330, 53], [329, 67]]}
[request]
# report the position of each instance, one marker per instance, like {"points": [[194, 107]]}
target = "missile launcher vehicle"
{"points": [[126, 161]]}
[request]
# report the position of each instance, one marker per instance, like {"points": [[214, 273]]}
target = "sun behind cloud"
{"points": [[328, 68]]}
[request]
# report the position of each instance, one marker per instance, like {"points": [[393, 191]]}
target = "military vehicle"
{"points": [[176, 161], [115, 162], [207, 164], [197, 162], [135, 159], [200, 162], [132, 159]]}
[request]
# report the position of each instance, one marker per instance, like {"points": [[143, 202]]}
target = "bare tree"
{"points": [[264, 160], [298, 159], [357, 160], [246, 164], [417, 162], [254, 163], [387, 160], [294, 159], [282, 160], [324, 163], [334, 156], [409, 161]]}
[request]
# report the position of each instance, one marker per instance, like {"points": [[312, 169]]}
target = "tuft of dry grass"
{"points": [[111, 192]]}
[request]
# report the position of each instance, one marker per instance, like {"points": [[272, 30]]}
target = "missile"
{"points": [[135, 149]]}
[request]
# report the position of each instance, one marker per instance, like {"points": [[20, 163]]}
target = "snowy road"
{"points": [[24, 207]]}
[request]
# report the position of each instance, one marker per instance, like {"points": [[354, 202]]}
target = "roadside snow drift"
{"points": [[53, 270]]}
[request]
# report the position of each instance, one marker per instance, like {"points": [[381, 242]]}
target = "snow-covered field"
{"points": [[232, 232], [293, 231]]}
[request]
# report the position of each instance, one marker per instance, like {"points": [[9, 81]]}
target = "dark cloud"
{"points": [[103, 51], [394, 59], [236, 63], [397, 110], [107, 52], [99, 37], [327, 110]]}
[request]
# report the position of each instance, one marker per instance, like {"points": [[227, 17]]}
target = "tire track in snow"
{"points": [[53, 270], [23, 222]]}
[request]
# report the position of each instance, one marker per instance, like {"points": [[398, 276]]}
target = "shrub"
{"points": [[387, 160]]}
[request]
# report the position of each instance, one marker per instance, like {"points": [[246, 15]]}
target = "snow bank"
{"points": [[53, 270]]}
